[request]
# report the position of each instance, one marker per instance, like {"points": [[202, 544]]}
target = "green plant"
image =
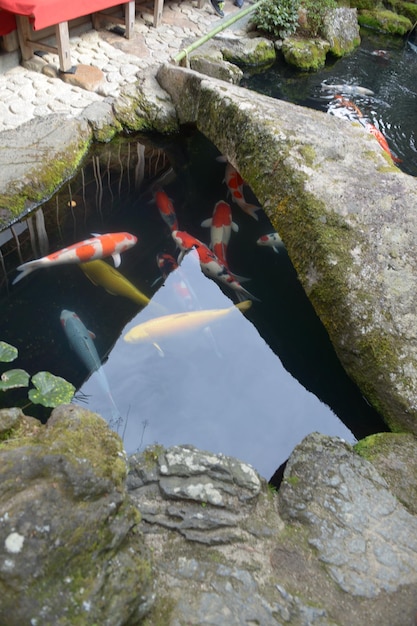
{"points": [[277, 17], [316, 11], [49, 390]]}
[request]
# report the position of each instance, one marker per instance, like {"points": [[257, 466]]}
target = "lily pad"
{"points": [[51, 390], [13, 379], [8, 353]]}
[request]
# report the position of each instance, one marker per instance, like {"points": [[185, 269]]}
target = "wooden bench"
{"points": [[37, 15]]}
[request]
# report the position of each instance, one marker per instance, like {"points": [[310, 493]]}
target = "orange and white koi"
{"points": [[187, 242], [273, 240], [345, 103], [166, 209], [98, 247], [380, 139], [210, 265], [235, 183], [221, 226], [344, 108]]}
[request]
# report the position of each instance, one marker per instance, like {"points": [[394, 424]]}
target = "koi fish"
{"points": [[235, 183], [167, 325], [210, 265], [166, 263], [380, 139], [221, 226], [81, 341], [355, 90], [272, 240], [101, 273], [344, 103], [166, 209], [98, 247], [382, 54], [187, 242]]}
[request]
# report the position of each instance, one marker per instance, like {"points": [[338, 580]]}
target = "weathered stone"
{"points": [[68, 533], [364, 536], [102, 120], [305, 54], [55, 141], [216, 68], [341, 30], [273, 574], [145, 106], [385, 21], [255, 51], [395, 457], [213, 485], [13, 422]]}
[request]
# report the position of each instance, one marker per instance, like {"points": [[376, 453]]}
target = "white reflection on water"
{"points": [[222, 390]]}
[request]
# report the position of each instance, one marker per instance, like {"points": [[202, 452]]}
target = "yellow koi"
{"points": [[103, 274], [160, 327]]}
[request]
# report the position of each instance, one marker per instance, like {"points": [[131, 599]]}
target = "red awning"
{"points": [[45, 13], [7, 22]]}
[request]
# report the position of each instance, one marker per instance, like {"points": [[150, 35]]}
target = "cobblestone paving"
{"points": [[26, 94]]}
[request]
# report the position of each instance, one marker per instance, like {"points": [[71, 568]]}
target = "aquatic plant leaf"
{"points": [[13, 379], [7, 352], [51, 390]]}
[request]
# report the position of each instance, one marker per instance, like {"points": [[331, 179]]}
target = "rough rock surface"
{"points": [[305, 54], [333, 547], [53, 139], [70, 552], [362, 533], [395, 457], [341, 30], [353, 250]]}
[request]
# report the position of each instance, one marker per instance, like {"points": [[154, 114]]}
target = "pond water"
{"points": [[252, 385], [387, 66]]}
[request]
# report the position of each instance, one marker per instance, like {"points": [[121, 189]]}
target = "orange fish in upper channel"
{"points": [[381, 140], [98, 247], [235, 183]]}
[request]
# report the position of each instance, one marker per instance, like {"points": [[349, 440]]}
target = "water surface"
{"points": [[251, 386], [385, 65]]}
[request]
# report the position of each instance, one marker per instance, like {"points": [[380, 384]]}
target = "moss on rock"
{"points": [[306, 54], [385, 21], [408, 9], [37, 160], [257, 52], [395, 457], [63, 485]]}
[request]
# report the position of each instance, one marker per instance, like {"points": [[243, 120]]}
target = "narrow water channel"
{"points": [[252, 385], [384, 65]]}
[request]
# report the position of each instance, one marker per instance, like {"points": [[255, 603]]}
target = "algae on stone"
{"points": [[70, 535], [305, 54], [385, 21]]}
